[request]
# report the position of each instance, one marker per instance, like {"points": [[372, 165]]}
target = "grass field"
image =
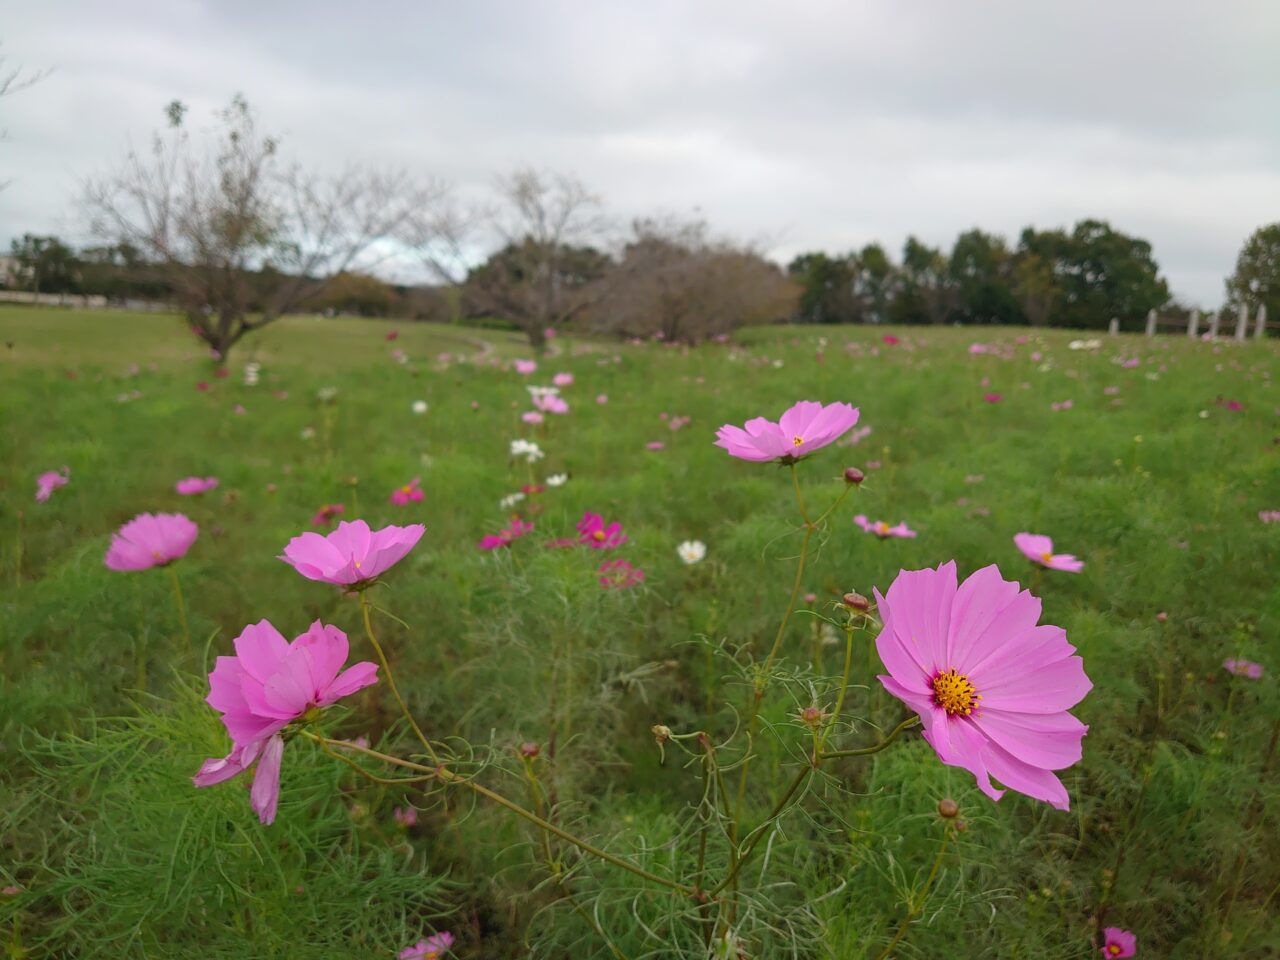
{"points": [[1155, 476]]}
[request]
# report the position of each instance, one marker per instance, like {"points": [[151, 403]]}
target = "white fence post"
{"points": [[1215, 319], [1242, 321], [1114, 327], [1151, 323], [1193, 324], [1260, 330]]}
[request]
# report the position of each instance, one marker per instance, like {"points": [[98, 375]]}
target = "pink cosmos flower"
{"points": [[1266, 516], [882, 529], [392, 334], [993, 398], [1118, 944], [504, 537], [991, 687], [1110, 391], [526, 367], [411, 492], [405, 816], [976, 348], [806, 427], [1063, 405], [550, 403], [1130, 363], [190, 486], [678, 423], [50, 481], [562, 379], [602, 398], [202, 386], [531, 417], [432, 948], [324, 516], [655, 445], [150, 540], [889, 339], [351, 555], [267, 685], [1243, 668], [1039, 549], [855, 437], [618, 573], [593, 532]]}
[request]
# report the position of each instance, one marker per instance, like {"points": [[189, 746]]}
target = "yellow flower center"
{"points": [[357, 563], [954, 693], [797, 441], [406, 489], [1113, 949], [1046, 558], [598, 535], [882, 528]]}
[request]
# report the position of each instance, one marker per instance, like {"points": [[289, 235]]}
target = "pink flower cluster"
{"points": [[1269, 516], [503, 538]]}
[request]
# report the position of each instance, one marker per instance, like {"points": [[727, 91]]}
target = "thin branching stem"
{"points": [[915, 905], [391, 680], [182, 607]]}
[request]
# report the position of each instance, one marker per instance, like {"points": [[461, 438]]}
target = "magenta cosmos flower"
{"points": [[432, 948], [991, 687], [267, 685], [1243, 668], [882, 529], [806, 427], [619, 573], [150, 540], [503, 538], [525, 367], [352, 554], [593, 532], [190, 486], [411, 492], [1117, 943], [1039, 549], [50, 481]]}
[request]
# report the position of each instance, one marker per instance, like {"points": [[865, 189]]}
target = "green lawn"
{"points": [[1150, 477]]}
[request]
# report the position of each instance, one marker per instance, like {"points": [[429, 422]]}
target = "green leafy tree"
{"points": [[45, 265], [1256, 281], [925, 292], [984, 274]]}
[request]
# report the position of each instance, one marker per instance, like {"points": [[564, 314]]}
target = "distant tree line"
{"points": [[232, 236]]}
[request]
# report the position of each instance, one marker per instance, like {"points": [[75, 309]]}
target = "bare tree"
{"points": [[241, 238], [544, 271], [11, 81], [674, 281]]}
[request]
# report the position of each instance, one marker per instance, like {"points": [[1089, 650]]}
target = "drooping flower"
{"points": [[191, 486], [432, 948], [50, 481], [411, 492], [806, 427], [352, 554], [618, 573], [1243, 668], [991, 686], [268, 685], [151, 540], [593, 532], [1118, 944], [324, 516], [1039, 549], [882, 529], [692, 551], [526, 367]]}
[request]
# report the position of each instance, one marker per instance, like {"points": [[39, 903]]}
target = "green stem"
{"points": [[448, 776], [844, 685], [912, 908], [906, 724], [182, 607], [391, 680]]}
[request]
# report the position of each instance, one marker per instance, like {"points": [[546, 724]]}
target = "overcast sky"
{"points": [[798, 125]]}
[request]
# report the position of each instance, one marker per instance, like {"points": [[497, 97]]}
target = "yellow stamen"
{"points": [[954, 693], [598, 535], [882, 528], [1046, 558], [797, 441]]}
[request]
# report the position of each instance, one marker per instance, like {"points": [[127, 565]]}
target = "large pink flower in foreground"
{"points": [[267, 685], [882, 529], [991, 687], [806, 427], [150, 540], [1118, 944], [351, 554], [1039, 549], [51, 480]]}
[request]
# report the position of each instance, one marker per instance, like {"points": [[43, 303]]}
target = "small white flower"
{"points": [[326, 394], [777, 364], [543, 391], [692, 551], [557, 479], [1204, 414], [506, 503], [251, 371], [531, 452], [308, 433], [419, 407], [828, 634]]}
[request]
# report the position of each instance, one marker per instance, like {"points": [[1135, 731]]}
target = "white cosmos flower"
{"points": [[531, 452], [419, 407], [692, 551], [506, 503], [557, 479]]}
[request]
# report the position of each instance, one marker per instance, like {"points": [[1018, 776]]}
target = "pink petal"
{"points": [[260, 648], [356, 677], [329, 648], [265, 793], [1051, 741], [1016, 775]]}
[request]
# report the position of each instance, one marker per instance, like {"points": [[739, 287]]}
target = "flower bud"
{"points": [[856, 601], [948, 809], [529, 750], [661, 733], [853, 476], [811, 715]]}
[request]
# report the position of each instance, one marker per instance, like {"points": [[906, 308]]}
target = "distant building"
{"points": [[8, 271]]}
